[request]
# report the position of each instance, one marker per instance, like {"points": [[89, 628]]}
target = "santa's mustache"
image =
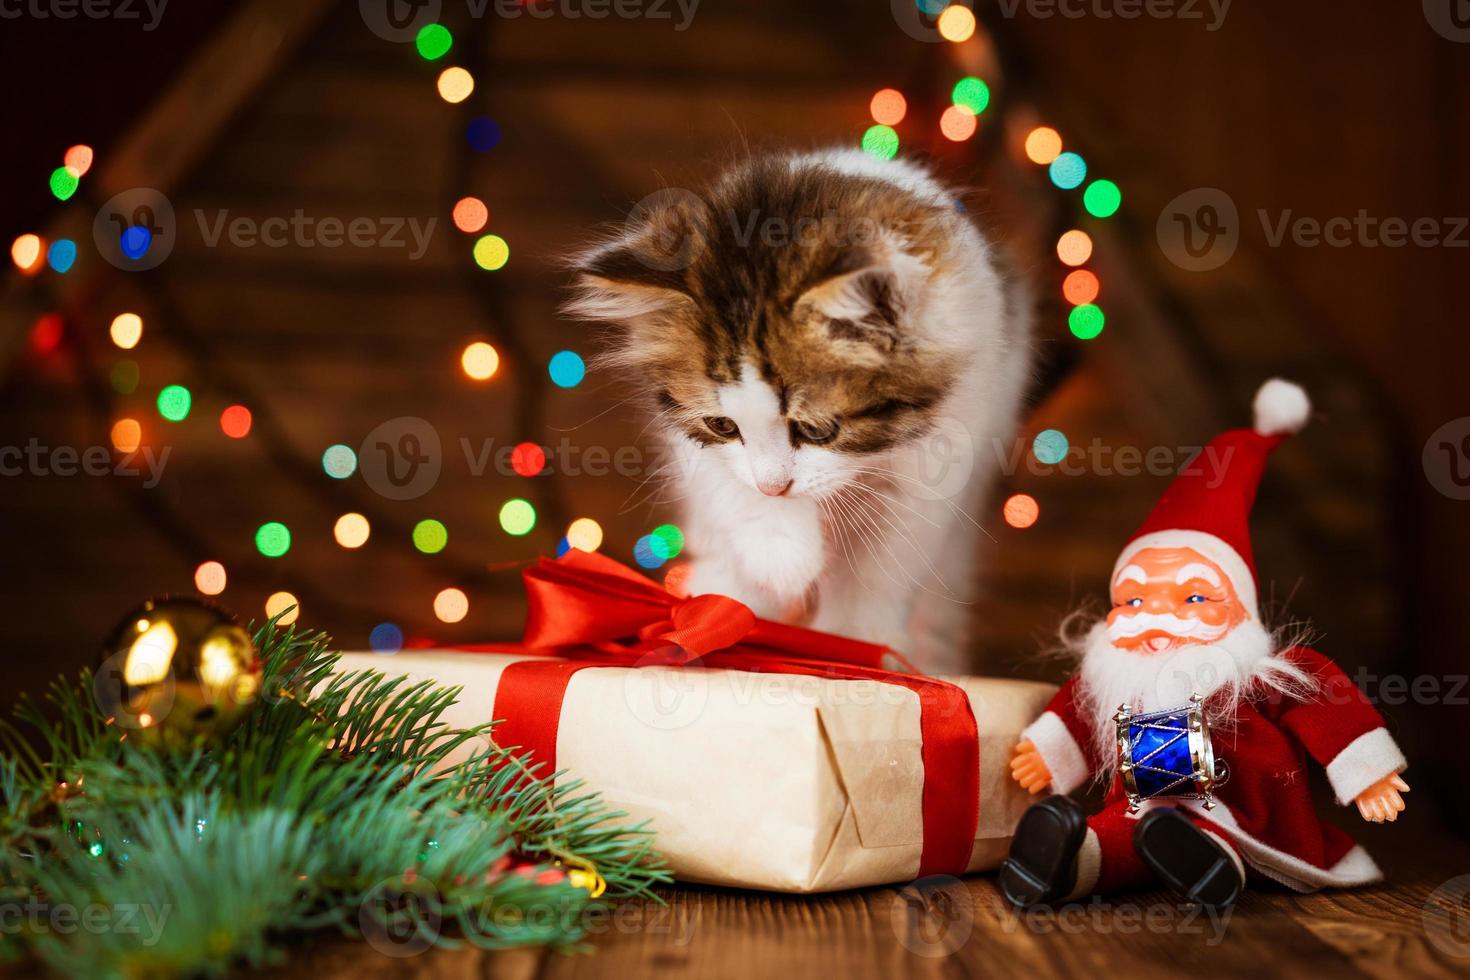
{"points": [[1125, 627]]}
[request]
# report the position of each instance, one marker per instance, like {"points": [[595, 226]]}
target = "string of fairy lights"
{"points": [[969, 99], [1066, 169]]}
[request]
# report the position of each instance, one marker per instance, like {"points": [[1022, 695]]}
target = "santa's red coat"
{"points": [[1266, 806]]}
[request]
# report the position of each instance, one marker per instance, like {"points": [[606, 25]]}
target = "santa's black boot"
{"points": [[1187, 859], [1042, 865]]}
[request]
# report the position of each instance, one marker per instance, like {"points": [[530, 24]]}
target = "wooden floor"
{"points": [[948, 927]]}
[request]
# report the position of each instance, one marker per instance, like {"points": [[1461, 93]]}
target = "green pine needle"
{"points": [[342, 802]]}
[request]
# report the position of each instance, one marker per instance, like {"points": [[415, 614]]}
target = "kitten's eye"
{"points": [[723, 427], [815, 433]]}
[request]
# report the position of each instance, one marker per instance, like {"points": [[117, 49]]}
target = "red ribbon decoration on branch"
{"points": [[593, 612]]}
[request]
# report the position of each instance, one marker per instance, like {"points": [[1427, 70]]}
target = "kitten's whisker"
{"points": [[906, 536], [903, 536], [954, 508], [865, 520]]}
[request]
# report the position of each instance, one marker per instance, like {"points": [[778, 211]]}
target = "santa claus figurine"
{"points": [[1185, 623]]}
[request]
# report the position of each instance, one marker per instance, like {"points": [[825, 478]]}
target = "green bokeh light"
{"points": [[273, 539], [64, 183], [881, 142], [491, 252], [517, 516], [174, 403], [430, 536], [339, 461], [666, 541], [1050, 446], [1086, 321], [434, 41], [1102, 198], [971, 93]]}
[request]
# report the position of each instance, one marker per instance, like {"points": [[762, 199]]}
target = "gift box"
{"points": [[764, 756]]}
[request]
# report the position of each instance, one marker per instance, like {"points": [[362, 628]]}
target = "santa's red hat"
{"points": [[1208, 505]]}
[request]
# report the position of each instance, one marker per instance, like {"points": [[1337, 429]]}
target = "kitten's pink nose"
{"points": [[774, 488]]}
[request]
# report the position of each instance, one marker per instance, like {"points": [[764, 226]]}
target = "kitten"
{"points": [[834, 358]]}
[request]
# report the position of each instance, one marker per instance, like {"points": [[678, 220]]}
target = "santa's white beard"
{"points": [[1240, 664]]}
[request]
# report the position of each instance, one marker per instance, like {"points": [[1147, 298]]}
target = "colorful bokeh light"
{"points": [[1085, 321], [1050, 446], [676, 579], [126, 330], [972, 93], [433, 41], [480, 361], [339, 461], [644, 554], [584, 534], [1043, 145], [491, 253], [46, 333], [430, 536], [455, 85], [210, 578], [235, 421], [567, 369], [174, 403], [62, 255], [881, 142], [1021, 510], [528, 459], [352, 530], [127, 435], [386, 638], [1080, 286], [64, 183], [277, 605], [667, 541], [470, 214], [273, 539], [957, 123], [1102, 198], [1068, 170], [78, 160], [482, 134], [888, 107], [124, 377], [1074, 247], [956, 24], [451, 606], [26, 252], [517, 517]]}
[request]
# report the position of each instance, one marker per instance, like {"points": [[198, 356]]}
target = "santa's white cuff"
{"points": [[1367, 759], [1059, 750]]}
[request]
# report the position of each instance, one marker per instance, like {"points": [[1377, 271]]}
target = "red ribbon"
{"points": [[593, 612]]}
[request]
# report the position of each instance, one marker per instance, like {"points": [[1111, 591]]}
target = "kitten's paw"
{"points": [[783, 556], [713, 576]]}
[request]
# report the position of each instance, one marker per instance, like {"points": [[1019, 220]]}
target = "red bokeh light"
{"points": [[528, 459]]}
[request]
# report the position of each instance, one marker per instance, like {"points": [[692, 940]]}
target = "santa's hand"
{"points": [[1382, 801], [1028, 769]]}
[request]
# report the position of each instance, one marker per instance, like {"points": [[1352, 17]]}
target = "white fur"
{"points": [[1281, 408], [865, 546]]}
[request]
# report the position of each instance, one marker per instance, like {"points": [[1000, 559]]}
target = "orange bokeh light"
{"points": [[235, 421], [451, 606], [78, 159], [1043, 145], [455, 85], [888, 107], [210, 578], [1074, 247], [956, 23], [27, 252], [127, 435], [480, 361], [1022, 510], [1080, 287], [957, 123], [470, 214]]}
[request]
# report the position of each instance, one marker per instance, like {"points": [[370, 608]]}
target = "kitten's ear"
{"points": [[868, 307], [643, 271]]}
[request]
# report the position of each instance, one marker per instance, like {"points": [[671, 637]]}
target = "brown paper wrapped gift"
{"points": [[759, 780]]}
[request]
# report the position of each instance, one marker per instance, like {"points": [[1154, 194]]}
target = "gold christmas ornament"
{"points": [[176, 670]]}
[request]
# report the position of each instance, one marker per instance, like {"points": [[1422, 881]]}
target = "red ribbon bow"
{"points": [[594, 612]]}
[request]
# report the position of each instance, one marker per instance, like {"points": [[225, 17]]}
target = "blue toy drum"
{"points": [[1167, 753]]}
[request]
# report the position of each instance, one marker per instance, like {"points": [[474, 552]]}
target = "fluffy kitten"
{"points": [[834, 359]]}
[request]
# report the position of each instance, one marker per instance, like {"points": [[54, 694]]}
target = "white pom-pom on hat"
{"points": [[1281, 408]]}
